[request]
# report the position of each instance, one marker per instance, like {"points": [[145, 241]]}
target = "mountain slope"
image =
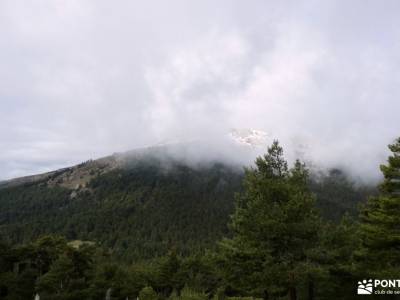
{"points": [[139, 211], [143, 203]]}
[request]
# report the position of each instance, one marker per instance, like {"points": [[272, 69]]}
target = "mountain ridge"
{"points": [[72, 177]]}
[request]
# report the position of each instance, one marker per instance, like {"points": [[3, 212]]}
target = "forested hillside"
{"points": [[138, 212], [162, 231], [149, 207]]}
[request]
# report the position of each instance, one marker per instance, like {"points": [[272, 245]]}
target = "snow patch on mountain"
{"points": [[250, 137]]}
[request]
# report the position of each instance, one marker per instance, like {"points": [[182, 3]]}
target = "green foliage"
{"points": [[150, 207], [168, 276], [69, 275], [189, 294], [199, 273], [147, 293], [140, 212], [48, 265], [380, 230], [153, 228], [337, 194], [337, 258], [275, 227]]}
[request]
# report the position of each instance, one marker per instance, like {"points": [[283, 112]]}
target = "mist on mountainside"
{"points": [[81, 83], [194, 150]]}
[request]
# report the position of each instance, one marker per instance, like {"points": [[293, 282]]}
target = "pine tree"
{"points": [[380, 227], [339, 244], [147, 293], [168, 274], [275, 227]]}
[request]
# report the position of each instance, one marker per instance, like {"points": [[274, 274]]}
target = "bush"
{"points": [[188, 294], [147, 293]]}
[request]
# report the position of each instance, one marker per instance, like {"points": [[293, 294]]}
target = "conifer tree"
{"points": [[339, 245], [380, 227], [168, 274], [147, 293], [275, 227]]}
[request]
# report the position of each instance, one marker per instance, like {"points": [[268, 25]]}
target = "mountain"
{"points": [[138, 204], [225, 148], [143, 203]]}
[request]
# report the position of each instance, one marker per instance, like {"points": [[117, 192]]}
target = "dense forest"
{"points": [[139, 212], [155, 232]]}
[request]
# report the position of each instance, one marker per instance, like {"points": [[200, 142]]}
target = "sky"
{"points": [[81, 79]]}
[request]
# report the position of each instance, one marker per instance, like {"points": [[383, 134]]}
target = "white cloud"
{"points": [[82, 79]]}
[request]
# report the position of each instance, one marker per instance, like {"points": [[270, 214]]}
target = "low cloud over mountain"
{"points": [[82, 80]]}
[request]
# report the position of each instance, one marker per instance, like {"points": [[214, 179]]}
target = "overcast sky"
{"points": [[84, 78]]}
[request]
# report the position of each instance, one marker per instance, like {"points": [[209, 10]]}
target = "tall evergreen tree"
{"points": [[275, 228], [336, 254], [380, 227], [168, 276]]}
